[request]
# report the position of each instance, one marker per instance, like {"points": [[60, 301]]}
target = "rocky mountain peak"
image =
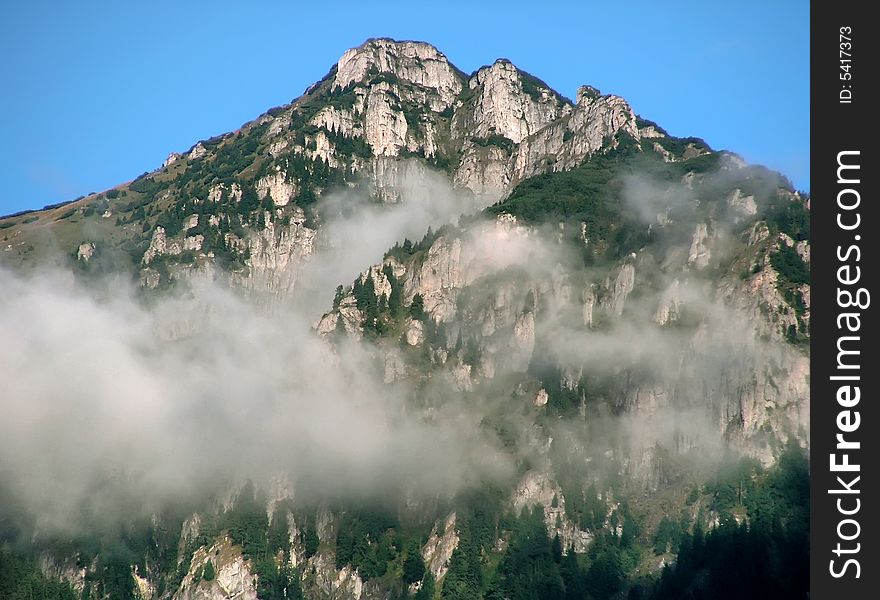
{"points": [[512, 103], [586, 94], [415, 62]]}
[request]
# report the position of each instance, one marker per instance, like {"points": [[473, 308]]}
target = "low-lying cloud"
{"points": [[107, 400]]}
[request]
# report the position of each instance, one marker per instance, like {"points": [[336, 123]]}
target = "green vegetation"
{"points": [[247, 522], [365, 295], [146, 185], [588, 194], [678, 146], [764, 556], [793, 272], [208, 573], [428, 588], [533, 86], [349, 146], [641, 123], [310, 539], [233, 157], [21, 579], [395, 299], [464, 579], [791, 267], [790, 218], [495, 139], [366, 540], [407, 248], [413, 564], [669, 534], [759, 547]]}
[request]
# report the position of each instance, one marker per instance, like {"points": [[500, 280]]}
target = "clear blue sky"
{"points": [[94, 93]]}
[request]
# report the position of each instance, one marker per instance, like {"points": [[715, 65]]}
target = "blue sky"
{"points": [[95, 93]]}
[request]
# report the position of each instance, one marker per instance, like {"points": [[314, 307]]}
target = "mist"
{"points": [[357, 230], [112, 404]]}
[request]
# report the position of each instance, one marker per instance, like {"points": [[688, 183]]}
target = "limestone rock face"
{"points": [[762, 393], [568, 142], [541, 398], [441, 543], [539, 488], [504, 108], [404, 101], [699, 253], [160, 245], [438, 279], [343, 584], [621, 288], [198, 151], [218, 191], [745, 205], [394, 179], [337, 120], [415, 334], [485, 171], [670, 305], [386, 127], [85, 251], [524, 332], [395, 367], [66, 569], [276, 254], [414, 62], [233, 578], [172, 158], [777, 395], [803, 250], [276, 187], [145, 588]]}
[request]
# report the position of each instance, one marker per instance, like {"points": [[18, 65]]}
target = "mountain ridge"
{"points": [[588, 338]]}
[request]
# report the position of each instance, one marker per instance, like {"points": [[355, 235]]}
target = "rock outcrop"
{"points": [[232, 578]]}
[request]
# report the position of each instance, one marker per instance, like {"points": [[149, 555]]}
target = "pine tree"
{"points": [[417, 308], [530, 302], [472, 353], [395, 299], [413, 565], [339, 332], [310, 540], [209, 573], [464, 578], [337, 299], [556, 548], [428, 589]]}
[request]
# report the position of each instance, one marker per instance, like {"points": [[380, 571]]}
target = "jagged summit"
{"points": [[383, 102], [416, 62], [390, 46]]}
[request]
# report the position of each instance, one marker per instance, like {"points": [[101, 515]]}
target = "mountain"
{"points": [[417, 333]]}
